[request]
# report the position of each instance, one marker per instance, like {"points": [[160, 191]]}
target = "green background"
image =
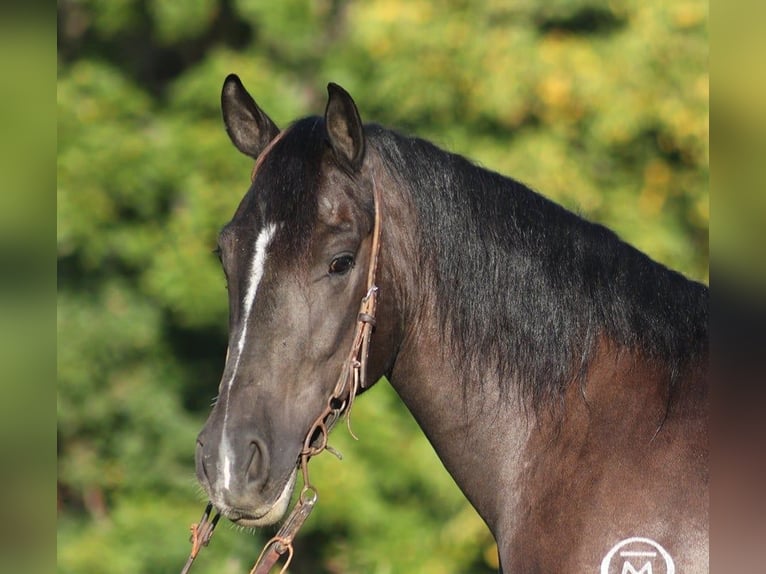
{"points": [[599, 105]]}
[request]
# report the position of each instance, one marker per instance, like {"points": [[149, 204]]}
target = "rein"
{"points": [[353, 377]]}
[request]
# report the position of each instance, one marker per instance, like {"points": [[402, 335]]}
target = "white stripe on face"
{"points": [[257, 267]]}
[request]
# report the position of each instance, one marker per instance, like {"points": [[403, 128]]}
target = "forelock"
{"points": [[286, 184]]}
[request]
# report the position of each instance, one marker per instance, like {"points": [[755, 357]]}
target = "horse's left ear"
{"points": [[344, 127]]}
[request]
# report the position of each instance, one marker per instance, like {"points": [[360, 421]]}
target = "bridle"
{"points": [[353, 377]]}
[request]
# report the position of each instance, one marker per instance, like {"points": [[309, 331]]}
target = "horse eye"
{"points": [[341, 265]]}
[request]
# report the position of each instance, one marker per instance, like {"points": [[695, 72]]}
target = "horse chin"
{"points": [[272, 514]]}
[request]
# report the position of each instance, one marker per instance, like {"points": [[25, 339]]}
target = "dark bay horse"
{"points": [[560, 374]]}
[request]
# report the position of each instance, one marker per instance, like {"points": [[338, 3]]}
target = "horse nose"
{"points": [[235, 468]]}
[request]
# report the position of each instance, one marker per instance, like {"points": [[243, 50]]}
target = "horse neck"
{"points": [[478, 436], [480, 421], [469, 429]]}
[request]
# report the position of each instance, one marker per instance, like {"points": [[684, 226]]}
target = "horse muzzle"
{"points": [[264, 515], [241, 482]]}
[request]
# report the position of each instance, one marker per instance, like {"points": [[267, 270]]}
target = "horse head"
{"points": [[296, 255]]}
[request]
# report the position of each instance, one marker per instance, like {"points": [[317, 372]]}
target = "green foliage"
{"points": [[600, 105]]}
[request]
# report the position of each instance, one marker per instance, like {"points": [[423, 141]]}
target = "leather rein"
{"points": [[353, 377]]}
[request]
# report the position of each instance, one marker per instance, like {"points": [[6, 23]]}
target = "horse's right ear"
{"points": [[249, 128]]}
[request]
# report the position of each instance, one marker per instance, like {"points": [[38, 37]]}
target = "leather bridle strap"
{"points": [[353, 377]]}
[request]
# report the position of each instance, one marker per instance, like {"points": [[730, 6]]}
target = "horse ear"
{"points": [[344, 127], [249, 128]]}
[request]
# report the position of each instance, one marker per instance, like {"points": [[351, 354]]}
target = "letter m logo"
{"points": [[628, 568]]}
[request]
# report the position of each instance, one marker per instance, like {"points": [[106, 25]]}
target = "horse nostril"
{"points": [[201, 468], [258, 465]]}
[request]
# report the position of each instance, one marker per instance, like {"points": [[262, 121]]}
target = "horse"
{"points": [[560, 374]]}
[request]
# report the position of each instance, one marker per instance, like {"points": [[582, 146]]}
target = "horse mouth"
{"points": [[265, 515]]}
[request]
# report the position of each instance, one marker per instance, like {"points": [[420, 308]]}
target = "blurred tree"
{"points": [[599, 104]]}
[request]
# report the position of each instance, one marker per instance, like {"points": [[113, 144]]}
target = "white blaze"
{"points": [[257, 266]]}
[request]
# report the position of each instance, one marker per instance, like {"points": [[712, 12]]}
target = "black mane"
{"points": [[526, 287]]}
